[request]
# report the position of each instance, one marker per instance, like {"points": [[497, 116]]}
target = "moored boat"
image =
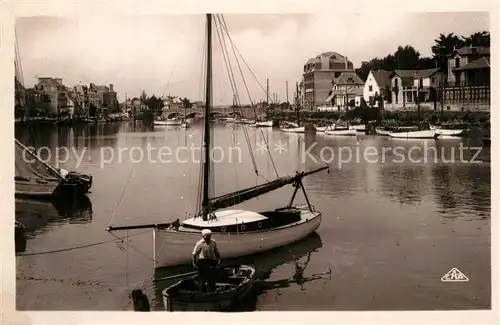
{"points": [[231, 286], [358, 127], [450, 130], [292, 128], [35, 178], [262, 124], [422, 134], [383, 131], [334, 132], [237, 233]]}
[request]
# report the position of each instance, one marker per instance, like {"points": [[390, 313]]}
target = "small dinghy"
{"points": [[231, 285]]}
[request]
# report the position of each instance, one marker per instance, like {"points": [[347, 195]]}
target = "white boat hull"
{"points": [[168, 122], [423, 134], [324, 128], [382, 132], [359, 128], [265, 124], [173, 248], [299, 129], [351, 132], [450, 132]]}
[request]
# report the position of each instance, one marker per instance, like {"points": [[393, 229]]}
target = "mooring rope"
{"points": [[80, 247]]}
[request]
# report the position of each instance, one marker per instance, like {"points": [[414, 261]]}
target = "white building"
{"points": [[375, 84]]}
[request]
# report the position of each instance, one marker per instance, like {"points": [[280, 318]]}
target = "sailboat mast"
{"points": [[297, 95], [208, 104]]}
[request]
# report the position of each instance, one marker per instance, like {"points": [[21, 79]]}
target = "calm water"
{"points": [[391, 228]]}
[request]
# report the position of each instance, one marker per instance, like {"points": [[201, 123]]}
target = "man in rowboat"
{"points": [[205, 258]]}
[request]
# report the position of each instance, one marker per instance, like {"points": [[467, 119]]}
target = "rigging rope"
{"points": [[121, 196], [234, 48], [222, 43]]}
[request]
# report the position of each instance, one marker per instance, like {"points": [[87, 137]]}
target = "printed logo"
{"points": [[454, 275]]}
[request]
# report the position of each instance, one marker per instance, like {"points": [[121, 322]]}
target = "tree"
{"points": [[186, 102], [478, 39], [406, 58], [143, 97], [445, 44], [154, 103]]}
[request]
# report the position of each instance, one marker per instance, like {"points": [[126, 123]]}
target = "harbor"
{"points": [[380, 246], [342, 197]]}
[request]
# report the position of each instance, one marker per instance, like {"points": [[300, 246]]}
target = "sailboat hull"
{"points": [[299, 129], [173, 248], [424, 134]]}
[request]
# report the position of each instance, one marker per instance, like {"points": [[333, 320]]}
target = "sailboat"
{"points": [[291, 127], [237, 232], [36, 178], [420, 133]]}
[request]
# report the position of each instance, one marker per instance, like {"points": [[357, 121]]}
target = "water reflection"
{"points": [[41, 216], [404, 184], [462, 191], [298, 253]]}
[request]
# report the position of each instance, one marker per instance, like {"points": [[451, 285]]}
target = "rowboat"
{"points": [[231, 286]]}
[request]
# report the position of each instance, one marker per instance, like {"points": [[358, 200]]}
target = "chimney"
{"points": [[111, 87], [346, 67]]}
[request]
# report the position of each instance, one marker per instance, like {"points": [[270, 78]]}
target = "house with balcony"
{"points": [[469, 80], [462, 57], [406, 85], [319, 73]]}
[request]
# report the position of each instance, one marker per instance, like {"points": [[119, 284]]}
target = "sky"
{"points": [[163, 54]]}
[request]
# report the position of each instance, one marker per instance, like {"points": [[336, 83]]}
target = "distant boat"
{"points": [[422, 134], [292, 128], [172, 119], [262, 124], [450, 130], [232, 285], [358, 127], [329, 127], [334, 132], [35, 178]]}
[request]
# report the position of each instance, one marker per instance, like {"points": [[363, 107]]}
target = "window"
{"points": [[370, 88], [457, 62], [396, 82], [421, 83], [432, 80]]}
